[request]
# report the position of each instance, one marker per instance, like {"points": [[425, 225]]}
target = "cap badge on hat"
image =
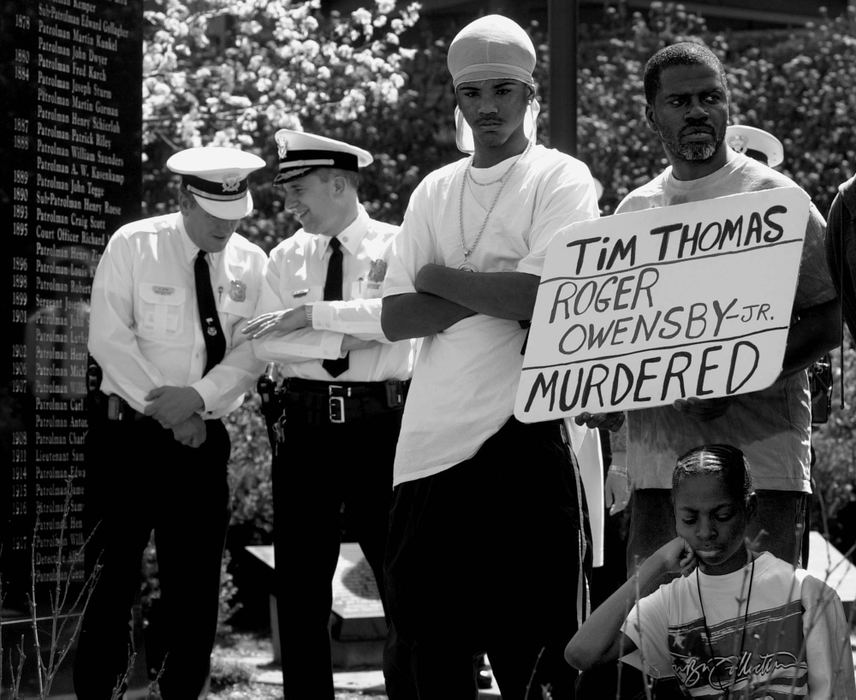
{"points": [[232, 183], [237, 290], [738, 142], [300, 153], [281, 144]]}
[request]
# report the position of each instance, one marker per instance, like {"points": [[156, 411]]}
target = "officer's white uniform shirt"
{"points": [[144, 327], [295, 275]]}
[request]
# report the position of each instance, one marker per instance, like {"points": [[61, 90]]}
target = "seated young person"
{"points": [[734, 624]]}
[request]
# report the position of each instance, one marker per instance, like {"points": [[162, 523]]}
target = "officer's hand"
{"points": [[702, 409], [610, 421], [192, 432], [283, 322], [171, 405]]}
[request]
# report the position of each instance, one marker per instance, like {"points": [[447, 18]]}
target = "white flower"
{"points": [[361, 16]]}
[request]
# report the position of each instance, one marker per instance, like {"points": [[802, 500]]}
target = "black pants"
{"points": [[138, 478], [320, 472], [487, 556]]}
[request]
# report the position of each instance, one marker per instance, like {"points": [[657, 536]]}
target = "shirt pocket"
{"points": [[366, 289], [162, 310]]}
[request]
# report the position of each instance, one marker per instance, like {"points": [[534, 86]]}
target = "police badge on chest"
{"points": [[237, 290]]}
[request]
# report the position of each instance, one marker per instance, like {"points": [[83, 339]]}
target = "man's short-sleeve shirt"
{"points": [[772, 426]]}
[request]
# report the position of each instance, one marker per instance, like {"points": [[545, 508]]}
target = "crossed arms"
{"points": [[445, 296]]}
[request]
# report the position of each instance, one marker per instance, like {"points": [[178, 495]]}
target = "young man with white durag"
{"points": [[487, 547]]}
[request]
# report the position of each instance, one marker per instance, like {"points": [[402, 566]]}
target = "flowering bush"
{"points": [[220, 72]]}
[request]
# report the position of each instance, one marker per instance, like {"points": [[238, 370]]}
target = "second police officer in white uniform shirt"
{"points": [[343, 392]]}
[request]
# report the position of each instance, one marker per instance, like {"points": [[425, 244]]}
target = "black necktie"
{"points": [[212, 332], [333, 292]]}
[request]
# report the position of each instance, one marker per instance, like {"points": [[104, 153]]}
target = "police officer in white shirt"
{"points": [[169, 299], [343, 393]]}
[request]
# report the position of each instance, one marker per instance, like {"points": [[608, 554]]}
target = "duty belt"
{"points": [[113, 407], [341, 402]]}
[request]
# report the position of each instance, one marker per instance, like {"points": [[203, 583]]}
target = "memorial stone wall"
{"points": [[69, 176]]}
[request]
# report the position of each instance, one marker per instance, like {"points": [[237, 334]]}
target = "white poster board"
{"points": [[637, 310]]}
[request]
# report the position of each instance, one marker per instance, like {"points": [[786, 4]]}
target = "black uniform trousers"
{"points": [[323, 471], [490, 555], [139, 479]]}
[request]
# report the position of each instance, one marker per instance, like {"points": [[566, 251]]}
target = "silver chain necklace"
{"points": [[468, 250]]}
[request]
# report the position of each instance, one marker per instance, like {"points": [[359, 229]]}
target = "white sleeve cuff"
{"points": [[322, 317], [208, 390]]}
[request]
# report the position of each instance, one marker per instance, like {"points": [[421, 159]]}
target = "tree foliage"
{"points": [[798, 84], [231, 73]]}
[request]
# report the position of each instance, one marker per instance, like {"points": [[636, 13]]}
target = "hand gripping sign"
{"points": [[637, 310]]}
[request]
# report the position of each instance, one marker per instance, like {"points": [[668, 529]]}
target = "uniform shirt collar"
{"points": [[351, 236]]}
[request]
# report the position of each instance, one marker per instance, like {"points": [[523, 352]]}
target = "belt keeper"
{"points": [[394, 393], [115, 409]]}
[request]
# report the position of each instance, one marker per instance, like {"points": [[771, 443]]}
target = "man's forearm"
{"points": [[816, 331], [416, 315], [351, 342], [508, 295]]}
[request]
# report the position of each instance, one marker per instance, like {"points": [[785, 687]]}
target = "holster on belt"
{"points": [[271, 404], [96, 405]]}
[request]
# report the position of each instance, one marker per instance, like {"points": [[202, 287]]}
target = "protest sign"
{"points": [[637, 310]]}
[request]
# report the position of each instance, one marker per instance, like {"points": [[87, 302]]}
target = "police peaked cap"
{"points": [[755, 143], [217, 178], [301, 153]]}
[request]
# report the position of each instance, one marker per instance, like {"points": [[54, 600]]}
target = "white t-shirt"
{"points": [[466, 377], [796, 634]]}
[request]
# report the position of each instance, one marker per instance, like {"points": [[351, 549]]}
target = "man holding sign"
{"points": [[687, 106], [487, 535]]}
